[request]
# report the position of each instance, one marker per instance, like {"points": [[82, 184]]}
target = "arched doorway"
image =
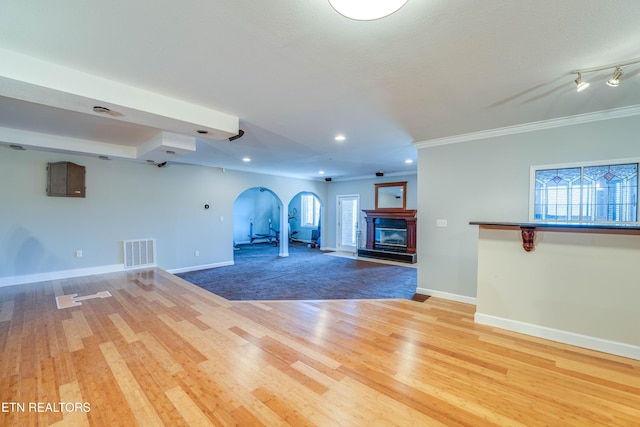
{"points": [[257, 217], [305, 219]]}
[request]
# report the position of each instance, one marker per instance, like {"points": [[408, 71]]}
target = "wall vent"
{"points": [[139, 253]]}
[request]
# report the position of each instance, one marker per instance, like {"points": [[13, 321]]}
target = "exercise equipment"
{"points": [[273, 237], [292, 215]]}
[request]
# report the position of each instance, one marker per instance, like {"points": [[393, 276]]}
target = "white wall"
{"points": [[125, 200], [365, 188], [488, 180], [575, 286]]}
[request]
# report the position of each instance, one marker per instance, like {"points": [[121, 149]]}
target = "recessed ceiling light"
{"points": [[321, 172], [340, 138], [246, 159], [101, 110], [408, 161]]}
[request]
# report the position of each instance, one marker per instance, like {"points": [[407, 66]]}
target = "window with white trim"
{"points": [[310, 210], [586, 193]]}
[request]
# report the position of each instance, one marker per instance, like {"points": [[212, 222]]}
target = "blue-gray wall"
{"points": [[488, 180], [124, 200]]}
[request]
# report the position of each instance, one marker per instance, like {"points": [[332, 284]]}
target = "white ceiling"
{"points": [[293, 73]]}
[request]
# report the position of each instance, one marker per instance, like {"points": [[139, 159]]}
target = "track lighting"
{"points": [[614, 81], [581, 85]]}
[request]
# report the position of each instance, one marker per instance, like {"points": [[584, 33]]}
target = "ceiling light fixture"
{"points": [[408, 161], [340, 138], [581, 85], [101, 110], [246, 159], [366, 10], [614, 81]]}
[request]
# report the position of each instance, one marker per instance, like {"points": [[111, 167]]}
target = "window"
{"points": [[587, 193], [310, 214]]}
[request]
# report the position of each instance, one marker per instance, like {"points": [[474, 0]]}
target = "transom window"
{"points": [[586, 193], [310, 214]]}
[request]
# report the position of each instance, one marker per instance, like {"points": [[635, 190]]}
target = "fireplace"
{"points": [[391, 234]]}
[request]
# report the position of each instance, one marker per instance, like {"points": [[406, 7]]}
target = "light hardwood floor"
{"points": [[161, 351]]}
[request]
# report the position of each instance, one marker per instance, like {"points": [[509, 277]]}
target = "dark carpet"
{"points": [[306, 274]]}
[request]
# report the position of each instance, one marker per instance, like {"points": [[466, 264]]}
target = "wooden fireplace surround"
{"points": [[407, 215]]}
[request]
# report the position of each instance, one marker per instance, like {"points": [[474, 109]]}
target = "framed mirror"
{"points": [[391, 195]]}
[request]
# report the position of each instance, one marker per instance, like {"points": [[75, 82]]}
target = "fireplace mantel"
{"points": [[391, 213], [407, 254]]}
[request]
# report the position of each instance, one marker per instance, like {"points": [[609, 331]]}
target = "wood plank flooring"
{"points": [[161, 351]]}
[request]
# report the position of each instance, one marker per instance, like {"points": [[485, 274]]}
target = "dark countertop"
{"points": [[560, 225]]}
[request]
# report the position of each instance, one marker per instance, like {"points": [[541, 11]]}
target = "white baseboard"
{"points": [[579, 340], [200, 267], [446, 295], [68, 274], [57, 275]]}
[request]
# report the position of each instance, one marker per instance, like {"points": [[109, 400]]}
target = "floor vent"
{"points": [[139, 253]]}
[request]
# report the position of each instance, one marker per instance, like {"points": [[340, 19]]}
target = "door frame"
{"points": [[339, 221]]}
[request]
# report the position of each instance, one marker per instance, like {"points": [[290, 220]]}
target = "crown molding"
{"points": [[386, 174], [615, 113]]}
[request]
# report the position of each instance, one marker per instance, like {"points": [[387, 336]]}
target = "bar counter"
{"points": [[577, 283]]}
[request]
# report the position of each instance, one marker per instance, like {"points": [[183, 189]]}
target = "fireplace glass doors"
{"points": [[390, 235]]}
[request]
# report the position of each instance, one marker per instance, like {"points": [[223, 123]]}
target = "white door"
{"points": [[348, 223]]}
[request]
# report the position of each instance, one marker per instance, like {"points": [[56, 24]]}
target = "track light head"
{"points": [[581, 85], [615, 80]]}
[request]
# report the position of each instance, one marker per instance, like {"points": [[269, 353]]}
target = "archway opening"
{"points": [[256, 217], [305, 219]]}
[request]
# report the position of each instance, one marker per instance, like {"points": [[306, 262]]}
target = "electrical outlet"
{"points": [[79, 253], [196, 253], [441, 222]]}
